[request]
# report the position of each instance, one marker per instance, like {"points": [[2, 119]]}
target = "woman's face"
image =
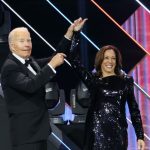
{"points": [[109, 63]]}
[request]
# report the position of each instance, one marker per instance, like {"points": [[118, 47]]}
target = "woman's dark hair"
{"points": [[100, 57]]}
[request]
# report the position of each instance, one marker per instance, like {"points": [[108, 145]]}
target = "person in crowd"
{"points": [[23, 82], [110, 90]]}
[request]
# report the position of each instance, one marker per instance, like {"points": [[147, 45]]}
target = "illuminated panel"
{"points": [[102, 10]]}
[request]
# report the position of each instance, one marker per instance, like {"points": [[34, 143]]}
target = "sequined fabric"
{"points": [[106, 125]]}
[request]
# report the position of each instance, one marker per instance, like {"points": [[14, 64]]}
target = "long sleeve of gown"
{"points": [[86, 76], [134, 110]]}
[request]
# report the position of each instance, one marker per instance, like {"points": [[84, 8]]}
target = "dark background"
{"points": [[52, 26], [99, 28]]}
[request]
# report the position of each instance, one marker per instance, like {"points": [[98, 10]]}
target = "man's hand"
{"points": [[57, 60], [76, 26], [141, 144]]}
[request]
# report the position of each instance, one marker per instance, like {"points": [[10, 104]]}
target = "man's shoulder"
{"points": [[9, 64], [9, 61]]}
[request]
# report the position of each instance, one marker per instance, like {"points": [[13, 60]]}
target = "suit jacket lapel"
{"points": [[12, 57], [24, 68], [35, 64]]}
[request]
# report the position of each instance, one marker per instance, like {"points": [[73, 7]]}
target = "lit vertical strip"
{"points": [[144, 70], [140, 36], [83, 43], [148, 47]]}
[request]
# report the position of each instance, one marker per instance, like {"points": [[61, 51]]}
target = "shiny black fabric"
{"points": [[106, 125]]}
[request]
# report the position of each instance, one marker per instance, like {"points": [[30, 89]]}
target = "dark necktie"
{"points": [[30, 62]]}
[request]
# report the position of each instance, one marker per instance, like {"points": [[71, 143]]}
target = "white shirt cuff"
{"points": [[67, 38]]}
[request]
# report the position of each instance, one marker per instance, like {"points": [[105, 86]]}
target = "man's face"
{"points": [[21, 44]]}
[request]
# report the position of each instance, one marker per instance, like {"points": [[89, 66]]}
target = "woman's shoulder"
{"points": [[117, 78], [128, 78]]}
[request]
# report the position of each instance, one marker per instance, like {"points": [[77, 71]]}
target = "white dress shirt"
{"points": [[29, 66]]}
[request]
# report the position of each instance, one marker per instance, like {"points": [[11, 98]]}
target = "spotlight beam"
{"points": [[143, 6], [67, 19], [141, 89], [60, 141]]}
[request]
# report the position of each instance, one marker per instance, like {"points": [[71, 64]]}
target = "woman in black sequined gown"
{"points": [[106, 125]]}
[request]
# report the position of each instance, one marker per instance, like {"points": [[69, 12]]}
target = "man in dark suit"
{"points": [[24, 88]]}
